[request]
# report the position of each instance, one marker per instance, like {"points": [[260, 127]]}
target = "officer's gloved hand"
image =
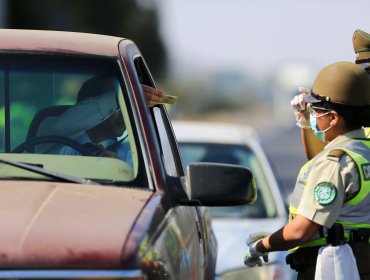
{"points": [[300, 109], [252, 256]]}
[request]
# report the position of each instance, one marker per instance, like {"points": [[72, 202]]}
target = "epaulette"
{"points": [[335, 154]]}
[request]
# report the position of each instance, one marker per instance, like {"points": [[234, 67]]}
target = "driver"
{"points": [[96, 121]]}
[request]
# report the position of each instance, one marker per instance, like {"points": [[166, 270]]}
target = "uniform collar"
{"points": [[357, 133]]}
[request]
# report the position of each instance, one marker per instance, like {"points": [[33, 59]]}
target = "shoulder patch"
{"points": [[325, 193]]}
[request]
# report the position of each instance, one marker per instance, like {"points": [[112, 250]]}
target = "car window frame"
{"points": [[170, 153]]}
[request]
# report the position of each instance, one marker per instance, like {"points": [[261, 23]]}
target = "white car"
{"points": [[236, 144]]}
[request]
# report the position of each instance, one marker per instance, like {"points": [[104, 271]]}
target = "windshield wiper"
{"points": [[47, 173]]}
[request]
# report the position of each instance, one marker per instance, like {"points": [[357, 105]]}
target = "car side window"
{"points": [[169, 148]]}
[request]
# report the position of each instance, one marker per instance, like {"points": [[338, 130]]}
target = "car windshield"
{"points": [[264, 207], [67, 115]]}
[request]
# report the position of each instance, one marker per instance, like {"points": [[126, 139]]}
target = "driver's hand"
{"points": [[152, 95]]}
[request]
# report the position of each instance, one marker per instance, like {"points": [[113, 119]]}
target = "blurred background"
{"points": [[238, 61]]}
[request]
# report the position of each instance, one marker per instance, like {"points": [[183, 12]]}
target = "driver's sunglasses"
{"points": [[315, 111]]}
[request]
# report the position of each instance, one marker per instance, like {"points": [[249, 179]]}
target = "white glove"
{"points": [[300, 109], [252, 256]]}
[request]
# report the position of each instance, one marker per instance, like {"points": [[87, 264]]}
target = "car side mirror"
{"points": [[216, 184]]}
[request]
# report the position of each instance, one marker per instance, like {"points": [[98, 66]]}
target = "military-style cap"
{"points": [[342, 82], [361, 46]]}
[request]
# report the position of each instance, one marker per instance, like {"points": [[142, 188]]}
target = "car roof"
{"points": [[213, 132], [58, 42]]}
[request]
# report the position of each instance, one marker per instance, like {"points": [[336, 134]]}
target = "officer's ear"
{"points": [[334, 118]]}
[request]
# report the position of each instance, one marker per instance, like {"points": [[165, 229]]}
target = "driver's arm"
{"points": [[152, 95], [84, 115]]}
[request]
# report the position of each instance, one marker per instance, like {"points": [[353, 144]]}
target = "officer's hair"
{"points": [[354, 117]]}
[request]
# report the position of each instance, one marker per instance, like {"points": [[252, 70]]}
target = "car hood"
{"points": [[231, 238], [46, 224]]}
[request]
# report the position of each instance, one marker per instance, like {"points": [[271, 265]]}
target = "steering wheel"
{"points": [[31, 143]]}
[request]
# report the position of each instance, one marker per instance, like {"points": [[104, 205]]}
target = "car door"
{"points": [[178, 238], [180, 220]]}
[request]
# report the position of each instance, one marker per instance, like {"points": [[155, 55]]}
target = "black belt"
{"points": [[359, 235]]}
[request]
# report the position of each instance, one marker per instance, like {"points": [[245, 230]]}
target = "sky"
{"points": [[260, 36], [293, 39]]}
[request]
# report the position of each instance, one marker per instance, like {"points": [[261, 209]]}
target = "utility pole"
{"points": [[3, 13]]}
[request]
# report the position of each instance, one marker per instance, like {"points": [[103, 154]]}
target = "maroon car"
{"points": [[92, 184]]}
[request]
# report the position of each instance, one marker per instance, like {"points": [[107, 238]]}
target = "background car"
{"points": [[91, 214], [238, 144]]}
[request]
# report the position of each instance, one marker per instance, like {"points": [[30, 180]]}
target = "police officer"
{"points": [[331, 192], [312, 145], [361, 46]]}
